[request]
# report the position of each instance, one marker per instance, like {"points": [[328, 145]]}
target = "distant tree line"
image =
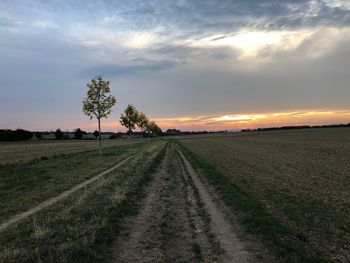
{"points": [[15, 135], [175, 132], [297, 127]]}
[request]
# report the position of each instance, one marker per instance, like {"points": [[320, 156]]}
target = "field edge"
{"points": [[254, 217]]}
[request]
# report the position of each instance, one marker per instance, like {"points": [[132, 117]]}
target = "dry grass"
{"points": [[21, 152], [301, 176]]}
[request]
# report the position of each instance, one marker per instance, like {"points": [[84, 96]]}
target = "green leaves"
{"points": [[153, 128], [98, 103], [142, 121], [129, 118]]}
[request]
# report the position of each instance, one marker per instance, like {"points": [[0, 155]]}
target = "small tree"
{"points": [[156, 130], [95, 134], [78, 134], [148, 129], [142, 121], [130, 118], [153, 128], [38, 135], [98, 103], [58, 134]]}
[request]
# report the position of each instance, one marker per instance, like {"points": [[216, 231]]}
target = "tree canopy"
{"points": [[78, 134], [129, 118], [132, 118], [142, 121], [98, 103], [58, 134], [95, 133], [153, 128]]}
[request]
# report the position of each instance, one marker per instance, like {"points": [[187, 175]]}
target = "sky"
{"points": [[191, 65]]}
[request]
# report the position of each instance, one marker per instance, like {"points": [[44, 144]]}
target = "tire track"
{"points": [[233, 248], [20, 216], [177, 221], [161, 231]]}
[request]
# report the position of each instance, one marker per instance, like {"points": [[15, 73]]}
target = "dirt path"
{"points": [[14, 219], [178, 221]]}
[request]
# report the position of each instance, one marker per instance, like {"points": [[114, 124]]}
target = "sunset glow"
{"points": [[243, 121]]}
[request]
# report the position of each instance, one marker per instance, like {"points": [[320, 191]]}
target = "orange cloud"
{"points": [[229, 121], [240, 121]]}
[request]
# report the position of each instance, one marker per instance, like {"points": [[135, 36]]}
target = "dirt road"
{"points": [[178, 221]]}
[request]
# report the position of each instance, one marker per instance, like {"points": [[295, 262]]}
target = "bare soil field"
{"points": [[21, 152], [301, 177]]}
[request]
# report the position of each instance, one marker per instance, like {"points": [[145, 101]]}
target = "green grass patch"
{"points": [[288, 245], [26, 185], [20, 152]]}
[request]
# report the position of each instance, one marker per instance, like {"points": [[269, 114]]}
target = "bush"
{"points": [[15, 135], [38, 135], [96, 133], [78, 134], [58, 134]]}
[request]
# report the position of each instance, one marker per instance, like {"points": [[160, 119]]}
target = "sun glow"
{"points": [[241, 121], [251, 43], [237, 118], [140, 40]]}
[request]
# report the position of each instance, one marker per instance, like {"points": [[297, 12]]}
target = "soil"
{"points": [[178, 221]]}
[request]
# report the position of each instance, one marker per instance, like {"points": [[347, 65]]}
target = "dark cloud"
{"points": [[194, 15], [230, 15], [114, 70]]}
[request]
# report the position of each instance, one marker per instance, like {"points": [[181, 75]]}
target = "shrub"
{"points": [[58, 134], [78, 134], [96, 133], [38, 135], [15, 135]]}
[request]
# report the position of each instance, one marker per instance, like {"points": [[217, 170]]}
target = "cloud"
{"points": [[242, 121], [6, 22], [115, 70], [45, 24], [195, 57]]}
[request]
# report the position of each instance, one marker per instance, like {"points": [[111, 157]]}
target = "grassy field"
{"points": [[79, 228], [25, 151], [25, 185], [300, 177]]}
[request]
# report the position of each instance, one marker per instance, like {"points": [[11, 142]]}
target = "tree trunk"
{"points": [[129, 137], [99, 134]]}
